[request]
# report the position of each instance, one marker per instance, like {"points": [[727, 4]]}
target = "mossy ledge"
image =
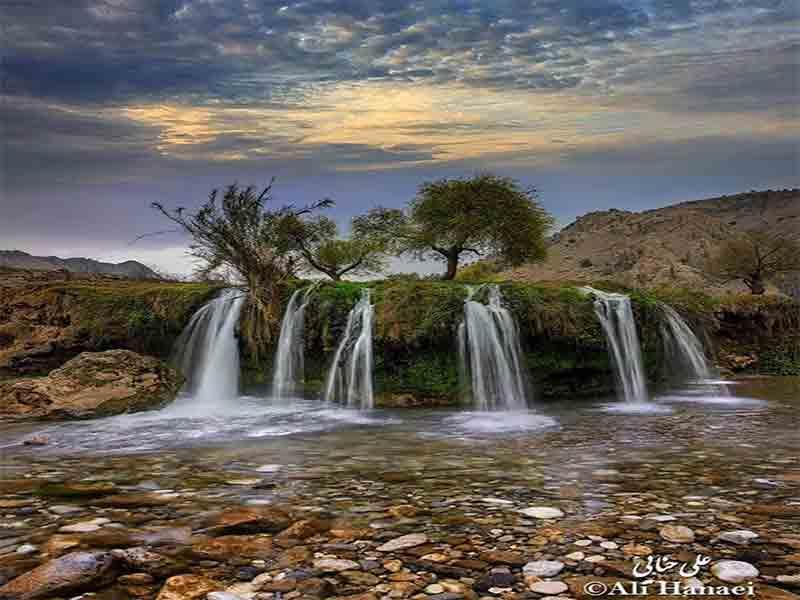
{"points": [[416, 324], [47, 321]]}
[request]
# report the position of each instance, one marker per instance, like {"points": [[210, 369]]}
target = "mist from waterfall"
{"points": [[616, 317], [490, 354], [349, 380], [289, 358], [207, 351]]}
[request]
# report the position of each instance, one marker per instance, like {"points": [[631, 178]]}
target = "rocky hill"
{"points": [[664, 247], [22, 260]]}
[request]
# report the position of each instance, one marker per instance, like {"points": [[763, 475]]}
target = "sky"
{"points": [[109, 105]]}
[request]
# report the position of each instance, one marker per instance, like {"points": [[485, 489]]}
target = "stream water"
{"points": [[724, 463]]}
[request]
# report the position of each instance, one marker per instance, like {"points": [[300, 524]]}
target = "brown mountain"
{"points": [[129, 269], [666, 246]]}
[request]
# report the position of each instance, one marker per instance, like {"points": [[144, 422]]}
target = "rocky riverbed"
{"points": [[438, 505]]}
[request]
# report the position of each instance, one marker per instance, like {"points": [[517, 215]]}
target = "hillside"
{"points": [[22, 260], [666, 246]]}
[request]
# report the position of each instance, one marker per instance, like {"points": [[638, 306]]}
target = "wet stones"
{"points": [[335, 565], [542, 512], [678, 534], [404, 542], [741, 537], [262, 519], [734, 571], [70, 573], [188, 587], [543, 568]]}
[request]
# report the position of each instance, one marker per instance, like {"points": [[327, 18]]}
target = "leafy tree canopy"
{"points": [[755, 257], [485, 215]]}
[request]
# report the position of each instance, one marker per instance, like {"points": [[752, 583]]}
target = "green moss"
{"points": [[430, 374], [144, 316]]}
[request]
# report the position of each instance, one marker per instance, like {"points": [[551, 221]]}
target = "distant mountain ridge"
{"points": [[667, 246], [129, 269]]}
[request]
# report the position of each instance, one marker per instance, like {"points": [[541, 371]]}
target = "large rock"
{"points": [[74, 572], [93, 384]]}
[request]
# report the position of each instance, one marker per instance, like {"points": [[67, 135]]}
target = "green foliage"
{"points": [[426, 374], [479, 272], [321, 250], [485, 215], [755, 257], [781, 361], [143, 316]]}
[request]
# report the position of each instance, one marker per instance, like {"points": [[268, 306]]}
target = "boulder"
{"points": [[93, 384]]}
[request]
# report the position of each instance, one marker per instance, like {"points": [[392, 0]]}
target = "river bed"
{"points": [[611, 480]]}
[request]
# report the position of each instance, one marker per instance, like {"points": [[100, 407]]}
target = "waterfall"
{"points": [[616, 317], [688, 357], [491, 355], [289, 367], [207, 352], [349, 380]]}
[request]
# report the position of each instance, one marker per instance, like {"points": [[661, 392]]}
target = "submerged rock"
{"points": [[542, 512], [188, 587], [93, 384], [74, 572], [406, 541], [734, 571]]}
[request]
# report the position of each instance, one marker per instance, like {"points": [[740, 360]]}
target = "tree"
{"points": [[235, 232], [316, 239], [755, 257], [484, 216]]}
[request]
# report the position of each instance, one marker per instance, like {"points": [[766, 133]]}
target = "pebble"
{"points": [[403, 542], [677, 533], [543, 568], [549, 588], [575, 556], [542, 512], [741, 537], [335, 565], [26, 549], [85, 526], [734, 571], [434, 588]]}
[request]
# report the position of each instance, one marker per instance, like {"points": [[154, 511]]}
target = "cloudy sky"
{"points": [[109, 105]]}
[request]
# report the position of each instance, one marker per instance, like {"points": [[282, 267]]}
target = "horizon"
{"points": [[109, 105]]}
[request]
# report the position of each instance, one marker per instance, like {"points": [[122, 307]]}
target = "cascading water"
{"points": [[616, 317], [207, 352], [683, 347], [491, 355], [686, 353], [349, 380], [289, 365]]}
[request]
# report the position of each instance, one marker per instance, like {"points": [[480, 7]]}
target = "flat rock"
{"points": [[741, 537], [252, 519], [677, 533], [406, 541], [542, 512], [335, 565], [188, 587], [549, 588], [543, 568], [734, 571]]}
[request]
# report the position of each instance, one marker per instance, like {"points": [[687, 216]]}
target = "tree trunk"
{"points": [[756, 285], [335, 276], [452, 266]]}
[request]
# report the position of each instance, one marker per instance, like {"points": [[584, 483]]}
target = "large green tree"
{"points": [[755, 258], [481, 216]]}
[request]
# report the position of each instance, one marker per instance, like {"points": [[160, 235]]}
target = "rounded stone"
{"points": [[542, 512], [543, 568], [677, 533], [734, 571], [549, 588]]}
